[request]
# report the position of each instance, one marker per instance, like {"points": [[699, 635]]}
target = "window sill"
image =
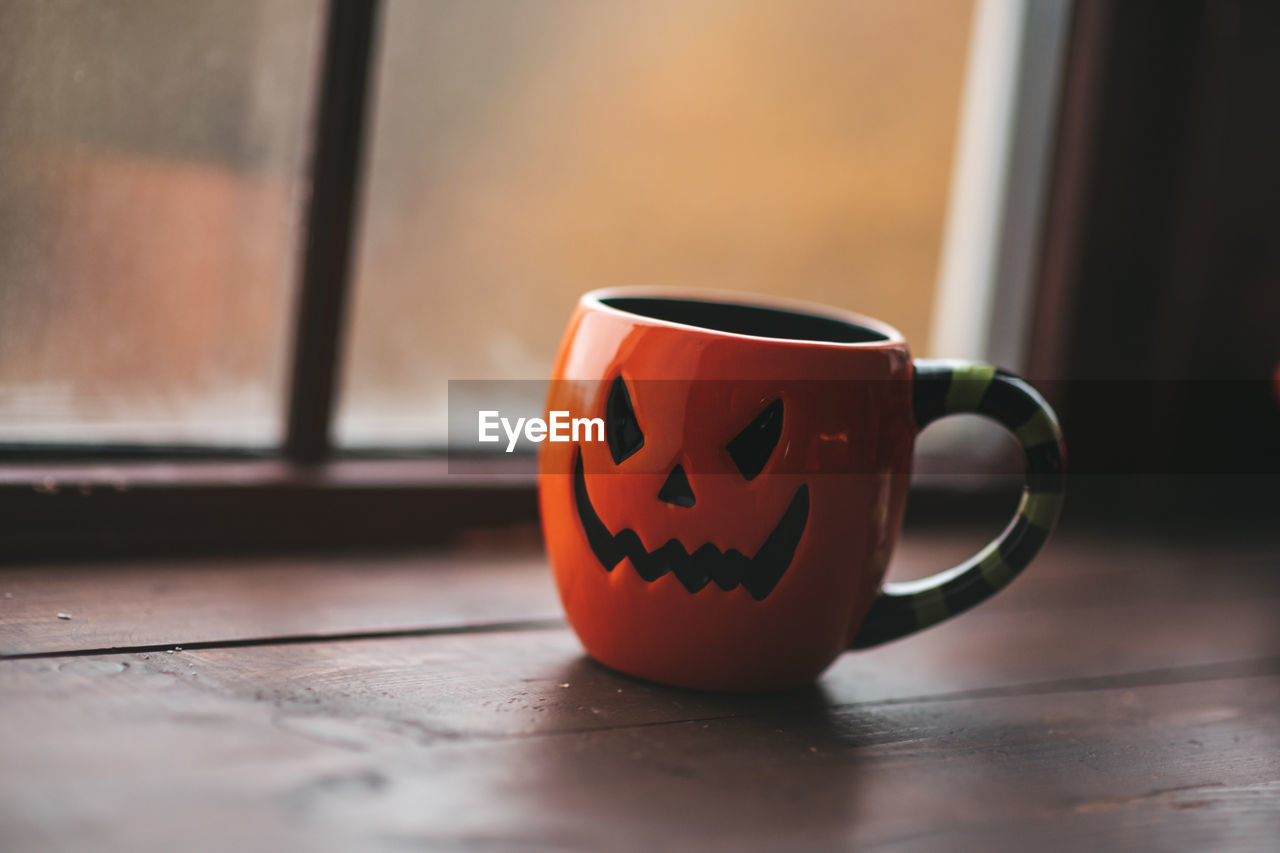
{"points": [[56, 510]]}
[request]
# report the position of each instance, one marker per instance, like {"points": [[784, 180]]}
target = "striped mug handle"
{"points": [[944, 388]]}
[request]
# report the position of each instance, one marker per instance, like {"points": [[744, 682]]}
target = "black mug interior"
{"points": [[747, 319]]}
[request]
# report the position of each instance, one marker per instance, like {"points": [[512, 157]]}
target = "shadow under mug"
{"points": [[726, 516]]}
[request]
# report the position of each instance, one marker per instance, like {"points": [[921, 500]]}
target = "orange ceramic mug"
{"points": [[728, 523]]}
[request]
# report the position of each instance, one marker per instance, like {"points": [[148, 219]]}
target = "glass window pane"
{"points": [[526, 152], [151, 163]]}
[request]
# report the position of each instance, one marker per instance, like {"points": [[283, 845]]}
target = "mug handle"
{"points": [[948, 387]]}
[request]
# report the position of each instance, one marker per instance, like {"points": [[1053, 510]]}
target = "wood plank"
{"points": [[459, 742], [508, 684], [159, 602], [166, 602]]}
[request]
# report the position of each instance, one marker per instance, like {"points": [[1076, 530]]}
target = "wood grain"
{"points": [[177, 602], [159, 602], [1121, 698], [462, 742]]}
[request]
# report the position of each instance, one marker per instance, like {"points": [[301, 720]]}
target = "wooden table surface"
{"points": [[1123, 695]]}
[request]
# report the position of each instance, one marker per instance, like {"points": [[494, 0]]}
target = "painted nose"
{"points": [[676, 490]]}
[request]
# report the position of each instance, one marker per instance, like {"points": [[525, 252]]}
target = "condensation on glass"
{"points": [[526, 152], [151, 171]]}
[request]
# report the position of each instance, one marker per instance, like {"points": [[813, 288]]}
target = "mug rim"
{"points": [[596, 301]]}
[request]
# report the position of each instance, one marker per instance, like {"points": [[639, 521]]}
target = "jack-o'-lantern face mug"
{"points": [[725, 517]]}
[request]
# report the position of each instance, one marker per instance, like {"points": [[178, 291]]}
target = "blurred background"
{"points": [[153, 171], [152, 163], [1082, 191]]}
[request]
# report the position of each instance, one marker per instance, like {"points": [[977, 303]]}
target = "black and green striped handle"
{"points": [[944, 388]]}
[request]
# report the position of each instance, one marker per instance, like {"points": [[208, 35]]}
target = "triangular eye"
{"points": [[620, 425], [752, 447]]}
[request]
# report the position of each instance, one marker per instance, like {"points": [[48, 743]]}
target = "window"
{"points": [[273, 229], [152, 160], [525, 153]]}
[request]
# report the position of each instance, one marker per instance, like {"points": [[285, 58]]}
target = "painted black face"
{"points": [[750, 450]]}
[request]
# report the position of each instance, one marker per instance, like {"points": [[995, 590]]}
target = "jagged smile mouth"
{"points": [[758, 575]]}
